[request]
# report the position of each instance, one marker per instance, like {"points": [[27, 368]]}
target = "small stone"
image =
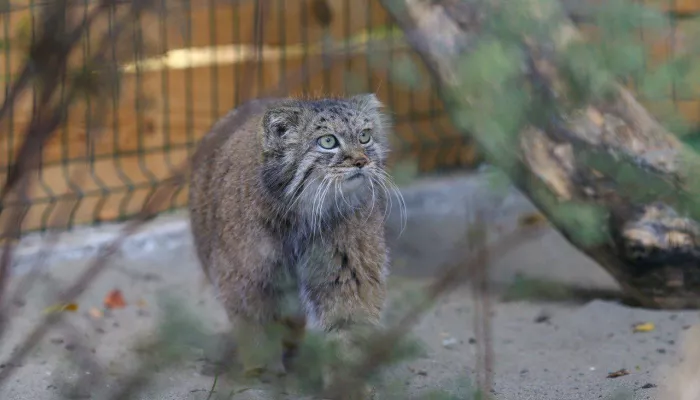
{"points": [[661, 351], [57, 341], [648, 386], [449, 342], [542, 317], [472, 340], [420, 372]]}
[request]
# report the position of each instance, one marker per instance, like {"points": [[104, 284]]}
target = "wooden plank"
{"points": [[161, 109], [204, 23], [287, 22]]}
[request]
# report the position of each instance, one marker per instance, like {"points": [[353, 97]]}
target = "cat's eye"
{"points": [[328, 142], [365, 136]]}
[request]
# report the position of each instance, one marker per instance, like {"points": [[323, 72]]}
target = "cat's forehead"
{"points": [[338, 111]]}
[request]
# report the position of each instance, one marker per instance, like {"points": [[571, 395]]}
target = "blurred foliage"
{"points": [[525, 288], [179, 331], [404, 71], [502, 98]]}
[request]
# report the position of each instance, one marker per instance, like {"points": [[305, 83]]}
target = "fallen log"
{"points": [[617, 184]]}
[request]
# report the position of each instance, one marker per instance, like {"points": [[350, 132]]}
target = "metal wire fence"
{"points": [[188, 62]]}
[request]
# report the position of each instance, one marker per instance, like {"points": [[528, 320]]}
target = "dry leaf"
{"points": [[644, 327], [72, 307], [114, 299], [532, 219], [618, 374], [96, 313]]}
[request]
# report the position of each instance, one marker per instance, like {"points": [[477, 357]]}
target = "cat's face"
{"points": [[329, 155]]}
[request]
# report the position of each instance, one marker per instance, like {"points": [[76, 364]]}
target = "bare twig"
{"points": [[477, 238]]}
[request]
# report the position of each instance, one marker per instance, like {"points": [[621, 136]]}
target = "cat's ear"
{"points": [[279, 120], [367, 101]]}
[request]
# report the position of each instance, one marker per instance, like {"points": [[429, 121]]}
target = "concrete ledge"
{"points": [[164, 233]]}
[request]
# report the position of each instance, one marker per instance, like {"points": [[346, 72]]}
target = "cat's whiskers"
{"points": [[387, 194], [371, 185], [402, 205], [296, 199], [325, 220], [320, 220], [402, 202], [344, 199], [316, 198], [336, 190]]}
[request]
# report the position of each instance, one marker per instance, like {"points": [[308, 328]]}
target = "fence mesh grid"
{"points": [[185, 64]]}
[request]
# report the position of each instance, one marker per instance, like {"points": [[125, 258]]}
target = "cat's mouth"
{"points": [[356, 175], [354, 180]]}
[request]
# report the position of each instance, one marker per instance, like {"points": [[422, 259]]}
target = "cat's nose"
{"points": [[361, 162]]}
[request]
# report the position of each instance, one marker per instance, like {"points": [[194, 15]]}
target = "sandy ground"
{"points": [[543, 350]]}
